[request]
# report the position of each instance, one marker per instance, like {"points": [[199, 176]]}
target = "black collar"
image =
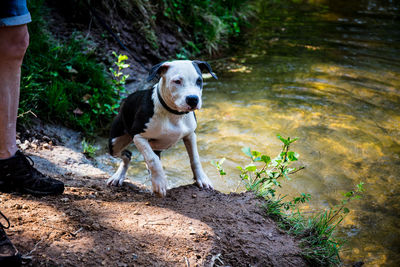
{"points": [[166, 106]]}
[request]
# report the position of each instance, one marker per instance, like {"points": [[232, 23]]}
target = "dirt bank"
{"points": [[94, 225]]}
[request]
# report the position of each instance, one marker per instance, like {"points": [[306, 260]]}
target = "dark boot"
{"points": [[17, 174], [9, 255]]}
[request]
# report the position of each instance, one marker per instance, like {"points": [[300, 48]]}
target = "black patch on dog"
{"points": [[127, 154], [203, 66], [156, 69], [196, 67], [136, 111], [158, 153]]}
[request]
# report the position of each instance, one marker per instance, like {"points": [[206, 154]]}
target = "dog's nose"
{"points": [[192, 100]]}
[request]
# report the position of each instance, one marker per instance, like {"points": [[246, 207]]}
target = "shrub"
{"points": [[63, 82]]}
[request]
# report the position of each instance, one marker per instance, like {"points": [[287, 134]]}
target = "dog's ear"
{"points": [[204, 66], [157, 69]]}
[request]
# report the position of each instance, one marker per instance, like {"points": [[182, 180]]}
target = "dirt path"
{"points": [[94, 225]]}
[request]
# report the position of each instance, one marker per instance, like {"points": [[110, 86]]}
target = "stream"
{"points": [[327, 72]]}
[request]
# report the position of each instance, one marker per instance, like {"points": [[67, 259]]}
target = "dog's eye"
{"points": [[199, 82], [177, 82]]}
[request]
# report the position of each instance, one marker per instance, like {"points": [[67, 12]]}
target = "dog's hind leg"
{"points": [[119, 176], [117, 143]]}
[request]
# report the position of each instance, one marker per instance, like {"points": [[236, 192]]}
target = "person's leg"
{"points": [[16, 170], [13, 44]]}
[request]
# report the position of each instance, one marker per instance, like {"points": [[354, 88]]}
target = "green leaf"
{"points": [[122, 57], [286, 142], [348, 194], [292, 156], [251, 168], [266, 159], [247, 151], [360, 187], [346, 210]]}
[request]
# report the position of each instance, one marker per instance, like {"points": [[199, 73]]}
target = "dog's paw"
{"points": [[159, 186], [203, 181], [116, 180]]}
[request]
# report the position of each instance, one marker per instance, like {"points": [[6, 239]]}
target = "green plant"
{"points": [[264, 179], [88, 149], [211, 22], [218, 165], [262, 176], [319, 243], [62, 81], [119, 78]]}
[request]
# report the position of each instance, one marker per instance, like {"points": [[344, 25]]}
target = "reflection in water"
{"points": [[327, 72]]}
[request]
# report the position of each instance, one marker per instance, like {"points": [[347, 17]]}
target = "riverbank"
{"points": [[95, 225]]}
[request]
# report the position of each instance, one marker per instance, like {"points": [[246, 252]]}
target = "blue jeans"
{"points": [[14, 12]]}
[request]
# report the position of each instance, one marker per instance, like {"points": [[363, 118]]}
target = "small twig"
{"points": [[237, 187], [90, 26], [23, 114], [216, 257], [156, 223], [33, 250], [299, 169], [187, 262], [76, 232]]}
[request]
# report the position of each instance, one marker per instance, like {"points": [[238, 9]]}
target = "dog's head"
{"points": [[181, 83]]}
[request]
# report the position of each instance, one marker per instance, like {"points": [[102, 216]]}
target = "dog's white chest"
{"points": [[164, 132]]}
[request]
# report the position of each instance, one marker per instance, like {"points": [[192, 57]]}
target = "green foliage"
{"points": [[263, 176], [62, 81], [211, 22], [317, 232], [88, 149], [218, 165], [119, 78]]}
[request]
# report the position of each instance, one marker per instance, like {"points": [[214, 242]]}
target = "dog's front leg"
{"points": [[191, 147], [158, 179]]}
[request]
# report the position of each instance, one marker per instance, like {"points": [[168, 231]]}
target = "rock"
{"points": [[64, 199], [25, 145], [97, 227], [137, 213], [192, 231]]}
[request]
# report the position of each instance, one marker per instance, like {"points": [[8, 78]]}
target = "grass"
{"points": [[211, 22], [262, 176], [63, 82]]}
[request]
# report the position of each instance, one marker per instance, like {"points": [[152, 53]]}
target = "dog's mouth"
{"points": [[189, 108]]}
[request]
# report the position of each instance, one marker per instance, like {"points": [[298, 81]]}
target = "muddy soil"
{"points": [[95, 225]]}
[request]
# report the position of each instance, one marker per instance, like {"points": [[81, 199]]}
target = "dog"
{"points": [[157, 118]]}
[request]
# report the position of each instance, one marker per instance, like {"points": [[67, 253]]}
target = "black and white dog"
{"points": [[158, 118]]}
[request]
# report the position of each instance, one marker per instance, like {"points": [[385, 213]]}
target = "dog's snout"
{"points": [[192, 100]]}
